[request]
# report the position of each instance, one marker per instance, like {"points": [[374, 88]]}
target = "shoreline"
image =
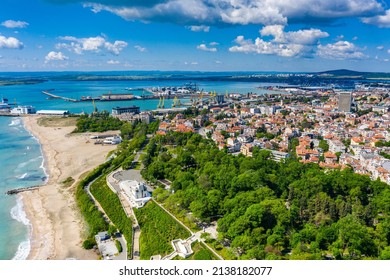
{"points": [[57, 227]]}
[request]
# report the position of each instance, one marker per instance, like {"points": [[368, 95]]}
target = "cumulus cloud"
{"points": [[380, 48], [302, 37], [113, 62], [199, 28], [340, 50], [287, 44], [379, 20], [388, 51], [203, 47], [140, 48], [51, 56], [260, 46], [94, 44], [220, 12], [14, 24], [10, 43]]}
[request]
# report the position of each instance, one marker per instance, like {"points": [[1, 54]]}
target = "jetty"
{"points": [[58, 97], [19, 190]]}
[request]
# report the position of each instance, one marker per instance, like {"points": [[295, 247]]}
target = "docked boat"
{"points": [[4, 106]]}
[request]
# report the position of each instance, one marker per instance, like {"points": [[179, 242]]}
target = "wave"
{"points": [[17, 213], [42, 166], [23, 176], [24, 164], [24, 249], [15, 122]]}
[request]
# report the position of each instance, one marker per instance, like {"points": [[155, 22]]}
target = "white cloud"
{"points": [[10, 43], [51, 56], [115, 48], [379, 20], [14, 24], [340, 50], [355, 38], [262, 47], [140, 49], [388, 51], [302, 37], [214, 44], [220, 12], [113, 62], [199, 28], [191, 63], [93, 44], [380, 47], [287, 44], [203, 47]]}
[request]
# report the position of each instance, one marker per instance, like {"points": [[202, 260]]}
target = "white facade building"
{"points": [[135, 192], [23, 110]]}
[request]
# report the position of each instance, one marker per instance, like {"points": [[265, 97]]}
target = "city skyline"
{"points": [[189, 35]]}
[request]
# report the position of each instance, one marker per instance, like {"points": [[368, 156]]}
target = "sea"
{"points": [[21, 160]]}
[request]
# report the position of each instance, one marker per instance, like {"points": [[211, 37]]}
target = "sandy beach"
{"points": [[57, 226]]}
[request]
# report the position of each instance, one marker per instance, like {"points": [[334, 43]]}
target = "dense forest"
{"points": [[98, 122], [271, 210]]}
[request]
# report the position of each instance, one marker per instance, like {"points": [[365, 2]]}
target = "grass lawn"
{"points": [[158, 229], [57, 121]]}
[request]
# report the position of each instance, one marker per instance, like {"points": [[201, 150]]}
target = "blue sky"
{"points": [[194, 35]]}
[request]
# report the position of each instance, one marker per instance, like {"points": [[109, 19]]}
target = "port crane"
{"points": [[161, 103]]}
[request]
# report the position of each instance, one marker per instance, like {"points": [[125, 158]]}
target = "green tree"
{"points": [[324, 145]]}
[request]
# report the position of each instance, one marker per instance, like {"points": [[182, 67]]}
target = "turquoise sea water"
{"points": [[21, 160], [21, 165]]}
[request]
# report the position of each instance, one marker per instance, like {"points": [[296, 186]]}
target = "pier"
{"points": [[58, 97], [16, 191]]}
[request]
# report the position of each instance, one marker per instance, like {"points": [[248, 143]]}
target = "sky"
{"points": [[195, 35]]}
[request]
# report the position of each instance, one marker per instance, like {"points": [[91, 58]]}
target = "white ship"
{"points": [[4, 107]]}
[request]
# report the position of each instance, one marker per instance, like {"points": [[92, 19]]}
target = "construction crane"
{"points": [[95, 110], [213, 96], [176, 102], [161, 103]]}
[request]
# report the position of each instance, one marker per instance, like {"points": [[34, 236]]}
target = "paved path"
{"points": [[113, 180], [194, 236], [122, 240]]}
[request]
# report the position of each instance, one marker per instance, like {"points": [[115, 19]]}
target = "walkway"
{"points": [[121, 239], [113, 183], [113, 180], [194, 236]]}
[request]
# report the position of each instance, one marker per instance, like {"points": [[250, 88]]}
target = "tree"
{"points": [[354, 239], [323, 145]]}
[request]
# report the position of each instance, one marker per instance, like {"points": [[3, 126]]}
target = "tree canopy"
{"points": [[271, 210]]}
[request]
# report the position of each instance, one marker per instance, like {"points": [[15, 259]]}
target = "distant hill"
{"points": [[345, 74]]}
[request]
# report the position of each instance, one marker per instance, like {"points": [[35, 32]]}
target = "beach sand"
{"points": [[57, 225]]}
